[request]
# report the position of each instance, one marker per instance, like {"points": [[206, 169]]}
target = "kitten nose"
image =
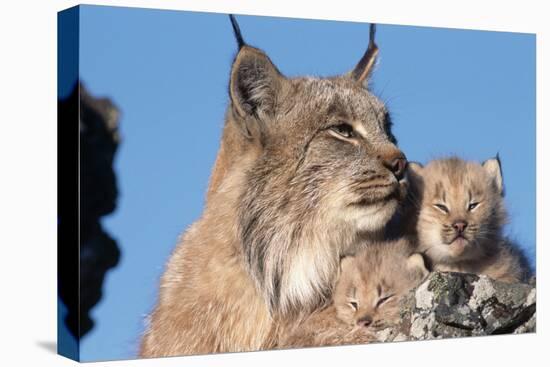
{"points": [[460, 226], [364, 321], [396, 163]]}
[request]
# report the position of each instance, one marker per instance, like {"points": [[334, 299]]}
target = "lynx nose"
{"points": [[460, 226], [364, 321], [396, 163]]}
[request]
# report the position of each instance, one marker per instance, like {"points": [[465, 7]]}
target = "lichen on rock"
{"points": [[456, 305]]}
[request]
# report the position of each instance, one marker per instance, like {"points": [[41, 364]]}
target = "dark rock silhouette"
{"points": [[99, 139]]}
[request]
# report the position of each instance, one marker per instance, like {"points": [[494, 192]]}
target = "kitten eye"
{"points": [[472, 206], [442, 207], [384, 299], [344, 130], [354, 305]]}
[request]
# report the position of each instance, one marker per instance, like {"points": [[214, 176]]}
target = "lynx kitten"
{"points": [[366, 297], [461, 216]]}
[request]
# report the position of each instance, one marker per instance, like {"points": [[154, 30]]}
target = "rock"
{"points": [[99, 139], [450, 305], [98, 252]]}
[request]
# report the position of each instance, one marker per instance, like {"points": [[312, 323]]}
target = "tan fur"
{"points": [[324, 328], [456, 184], [359, 305], [205, 285], [289, 194]]}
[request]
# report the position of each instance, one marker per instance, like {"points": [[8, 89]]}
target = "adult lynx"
{"points": [[307, 167]]}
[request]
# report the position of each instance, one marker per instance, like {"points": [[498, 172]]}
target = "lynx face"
{"points": [[372, 284], [462, 211], [330, 153], [322, 167]]}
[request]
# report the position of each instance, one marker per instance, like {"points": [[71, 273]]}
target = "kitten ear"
{"points": [[364, 67], [415, 167], [254, 86], [346, 263], [414, 174], [494, 170], [416, 263]]}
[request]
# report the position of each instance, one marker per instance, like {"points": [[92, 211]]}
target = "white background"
{"points": [[28, 180]]}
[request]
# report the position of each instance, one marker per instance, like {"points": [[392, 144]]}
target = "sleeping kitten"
{"points": [[366, 296], [461, 217]]}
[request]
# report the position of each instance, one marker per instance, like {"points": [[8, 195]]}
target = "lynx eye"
{"points": [[344, 130], [354, 305], [383, 299], [472, 206], [442, 207]]}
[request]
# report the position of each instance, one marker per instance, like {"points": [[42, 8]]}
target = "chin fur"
{"points": [[374, 217]]}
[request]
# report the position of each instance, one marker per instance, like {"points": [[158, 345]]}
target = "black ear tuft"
{"points": [[237, 31]]}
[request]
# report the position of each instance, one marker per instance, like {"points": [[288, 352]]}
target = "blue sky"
{"points": [[470, 93]]}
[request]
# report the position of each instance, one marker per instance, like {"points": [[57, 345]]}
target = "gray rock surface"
{"points": [[450, 305]]}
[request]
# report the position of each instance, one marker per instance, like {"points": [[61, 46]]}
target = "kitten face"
{"points": [[462, 210], [373, 282]]}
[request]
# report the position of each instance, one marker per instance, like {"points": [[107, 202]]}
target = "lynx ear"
{"points": [[415, 263], [255, 84], [346, 263], [364, 67], [493, 168], [415, 168], [414, 174]]}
